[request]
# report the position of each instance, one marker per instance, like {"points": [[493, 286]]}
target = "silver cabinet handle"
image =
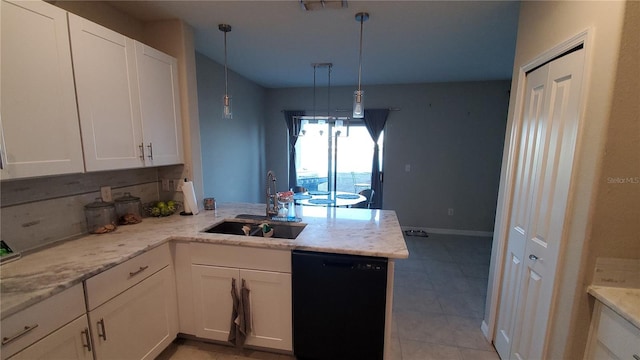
{"points": [[141, 147], [533, 257], [85, 333], [26, 330], [141, 269], [150, 146], [100, 324]]}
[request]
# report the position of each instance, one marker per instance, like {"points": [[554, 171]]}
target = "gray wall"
{"points": [[232, 150], [452, 135]]}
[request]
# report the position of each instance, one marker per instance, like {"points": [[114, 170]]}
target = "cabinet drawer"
{"points": [[114, 281], [618, 335], [35, 322], [241, 257]]}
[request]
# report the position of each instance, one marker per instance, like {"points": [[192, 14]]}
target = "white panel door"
{"points": [[39, 130], [70, 342], [553, 177], [271, 309], [532, 120], [212, 300], [160, 106], [527, 295], [106, 80]]}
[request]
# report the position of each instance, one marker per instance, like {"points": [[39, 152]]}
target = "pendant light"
{"points": [[226, 99], [358, 95]]}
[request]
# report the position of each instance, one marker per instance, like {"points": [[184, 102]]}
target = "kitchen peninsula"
{"points": [[41, 275]]}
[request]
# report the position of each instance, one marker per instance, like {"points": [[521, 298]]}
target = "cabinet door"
{"points": [[212, 300], [159, 105], [40, 134], [105, 75], [70, 342], [139, 323], [270, 297]]}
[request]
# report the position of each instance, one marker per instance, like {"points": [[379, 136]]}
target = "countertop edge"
{"points": [[618, 300]]}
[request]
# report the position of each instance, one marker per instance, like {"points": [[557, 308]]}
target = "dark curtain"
{"points": [[293, 127], [375, 119]]}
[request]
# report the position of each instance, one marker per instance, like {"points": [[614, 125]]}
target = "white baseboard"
{"points": [[450, 231], [485, 330]]}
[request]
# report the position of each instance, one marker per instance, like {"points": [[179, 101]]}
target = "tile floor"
{"points": [[438, 306]]}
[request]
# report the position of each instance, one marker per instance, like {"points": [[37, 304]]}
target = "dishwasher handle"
{"points": [[338, 264]]}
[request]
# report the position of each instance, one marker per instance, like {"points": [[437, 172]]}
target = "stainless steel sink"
{"points": [[235, 227]]}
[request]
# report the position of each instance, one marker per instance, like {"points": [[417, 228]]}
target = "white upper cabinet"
{"points": [[159, 105], [38, 118], [127, 99], [105, 75]]}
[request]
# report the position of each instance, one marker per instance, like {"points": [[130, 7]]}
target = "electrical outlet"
{"points": [[165, 185], [407, 167], [450, 212], [105, 193]]}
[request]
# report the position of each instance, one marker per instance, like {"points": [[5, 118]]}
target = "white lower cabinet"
{"points": [[137, 324], [44, 327], [611, 336], [270, 295], [133, 308], [71, 342]]}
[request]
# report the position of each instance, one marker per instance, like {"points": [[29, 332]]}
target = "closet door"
{"points": [[548, 140]]}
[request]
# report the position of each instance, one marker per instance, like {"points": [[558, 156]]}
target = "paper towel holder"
{"points": [[187, 199]]}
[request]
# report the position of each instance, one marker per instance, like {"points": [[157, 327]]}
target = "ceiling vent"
{"points": [[311, 5]]}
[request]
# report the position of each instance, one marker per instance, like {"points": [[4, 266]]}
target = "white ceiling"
{"points": [[274, 43]]}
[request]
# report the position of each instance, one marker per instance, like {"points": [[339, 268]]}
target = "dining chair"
{"points": [[299, 189], [367, 193]]}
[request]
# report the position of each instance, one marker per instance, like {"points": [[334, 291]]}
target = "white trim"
{"points": [[503, 219], [450, 231], [485, 330]]}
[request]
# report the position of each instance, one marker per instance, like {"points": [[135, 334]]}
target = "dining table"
{"points": [[328, 198]]}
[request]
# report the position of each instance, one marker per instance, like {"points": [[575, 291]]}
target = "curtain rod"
{"points": [[346, 110]]}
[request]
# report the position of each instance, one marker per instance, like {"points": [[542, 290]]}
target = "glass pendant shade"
{"points": [[227, 113], [358, 104]]}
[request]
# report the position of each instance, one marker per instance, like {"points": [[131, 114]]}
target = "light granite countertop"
{"points": [[43, 273], [624, 301]]}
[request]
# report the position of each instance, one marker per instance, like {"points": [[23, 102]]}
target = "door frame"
{"points": [[505, 195]]}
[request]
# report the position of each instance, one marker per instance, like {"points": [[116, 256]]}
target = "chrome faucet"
{"points": [[272, 198]]}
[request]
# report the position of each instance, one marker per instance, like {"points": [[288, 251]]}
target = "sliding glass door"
{"points": [[331, 157]]}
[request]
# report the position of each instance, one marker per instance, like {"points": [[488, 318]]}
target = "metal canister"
{"points": [[209, 203]]}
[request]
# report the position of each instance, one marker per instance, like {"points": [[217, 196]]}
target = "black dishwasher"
{"points": [[339, 306]]}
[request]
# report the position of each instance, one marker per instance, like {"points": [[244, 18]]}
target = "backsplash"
{"points": [[40, 211]]}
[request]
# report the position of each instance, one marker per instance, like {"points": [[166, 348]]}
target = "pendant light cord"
{"points": [[314, 92], [362, 18], [329, 93], [226, 76]]}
